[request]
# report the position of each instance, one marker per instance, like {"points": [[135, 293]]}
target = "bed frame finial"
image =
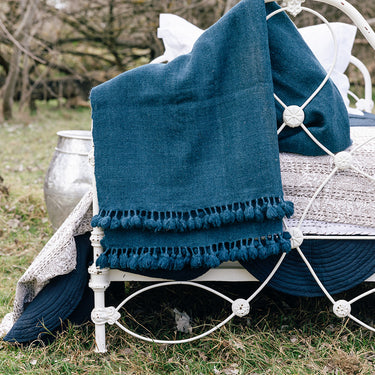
{"points": [[294, 7]]}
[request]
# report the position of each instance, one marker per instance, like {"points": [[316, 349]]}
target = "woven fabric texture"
{"points": [[187, 154], [187, 160], [348, 197]]}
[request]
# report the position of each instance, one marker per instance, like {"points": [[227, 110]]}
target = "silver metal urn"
{"points": [[69, 175]]}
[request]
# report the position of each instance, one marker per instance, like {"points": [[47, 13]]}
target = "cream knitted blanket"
{"points": [[347, 198]]}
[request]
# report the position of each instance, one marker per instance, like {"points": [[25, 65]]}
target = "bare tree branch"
{"points": [[18, 45]]}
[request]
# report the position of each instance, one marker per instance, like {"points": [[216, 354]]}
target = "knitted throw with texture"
{"points": [[187, 156]]}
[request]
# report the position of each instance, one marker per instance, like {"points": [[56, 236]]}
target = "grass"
{"points": [[282, 335]]}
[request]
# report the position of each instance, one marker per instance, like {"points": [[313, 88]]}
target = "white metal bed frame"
{"points": [[363, 104], [100, 279]]}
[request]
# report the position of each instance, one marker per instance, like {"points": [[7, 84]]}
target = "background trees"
{"points": [[61, 48]]}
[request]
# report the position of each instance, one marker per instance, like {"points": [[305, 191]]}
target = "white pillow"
{"points": [[320, 41], [180, 35]]}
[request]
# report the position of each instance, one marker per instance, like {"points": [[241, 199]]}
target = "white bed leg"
{"points": [[99, 283]]}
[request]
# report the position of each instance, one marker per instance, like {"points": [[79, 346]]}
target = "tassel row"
{"points": [[214, 217], [177, 258]]}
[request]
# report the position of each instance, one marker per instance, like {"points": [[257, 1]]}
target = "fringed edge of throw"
{"points": [[178, 258], [273, 208]]}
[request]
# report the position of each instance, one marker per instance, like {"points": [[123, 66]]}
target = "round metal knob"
{"points": [[293, 116], [240, 307], [342, 308], [297, 237], [343, 160]]}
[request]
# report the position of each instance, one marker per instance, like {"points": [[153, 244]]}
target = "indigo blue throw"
{"points": [[187, 164], [187, 160]]}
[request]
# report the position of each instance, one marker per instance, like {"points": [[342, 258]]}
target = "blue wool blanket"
{"points": [[187, 155]]}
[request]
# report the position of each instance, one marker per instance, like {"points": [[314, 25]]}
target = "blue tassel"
{"points": [[288, 208], [186, 255], [170, 225], [258, 214], [181, 225], [198, 222], [155, 261], [272, 246], [249, 212], [145, 260], [105, 222], [172, 260], [125, 222], [271, 212], [179, 262], [133, 260], [205, 222], [275, 248], [210, 259], [240, 216], [124, 260], [223, 254], [262, 251], [165, 224], [214, 220], [159, 225], [233, 253], [263, 205], [287, 235], [285, 243], [243, 253], [113, 259], [115, 223], [164, 260], [191, 223], [280, 211], [95, 220], [196, 259], [136, 222], [150, 224], [213, 217], [228, 216], [252, 251]]}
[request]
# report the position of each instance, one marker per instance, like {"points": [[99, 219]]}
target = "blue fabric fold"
{"points": [[296, 74]]}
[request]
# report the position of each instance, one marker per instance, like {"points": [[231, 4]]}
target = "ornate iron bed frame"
{"points": [[100, 279]]}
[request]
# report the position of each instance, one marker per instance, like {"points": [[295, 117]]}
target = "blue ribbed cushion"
{"points": [[368, 119], [339, 264], [56, 301]]}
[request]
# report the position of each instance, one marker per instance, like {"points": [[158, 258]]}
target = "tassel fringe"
{"points": [[258, 210], [178, 258]]}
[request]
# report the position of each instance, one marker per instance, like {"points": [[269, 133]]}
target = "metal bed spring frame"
{"points": [[293, 116]]}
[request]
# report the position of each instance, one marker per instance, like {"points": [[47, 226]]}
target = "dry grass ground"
{"points": [[282, 335]]}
